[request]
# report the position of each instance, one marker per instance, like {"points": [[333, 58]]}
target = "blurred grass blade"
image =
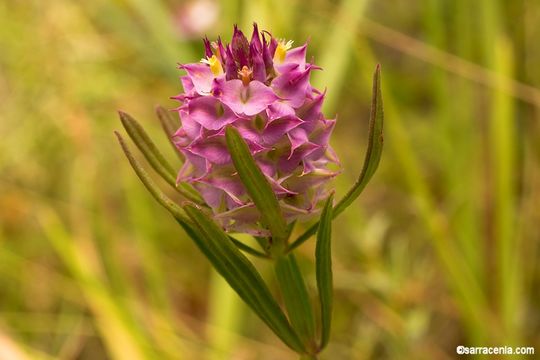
{"points": [[122, 337], [240, 273], [375, 146], [163, 199], [296, 298], [335, 52], [169, 126], [154, 157], [323, 258], [258, 188], [371, 161]]}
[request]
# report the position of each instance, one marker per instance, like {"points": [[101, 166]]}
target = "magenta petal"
{"points": [[279, 109], [210, 112], [292, 86], [259, 71], [187, 84], [278, 188], [194, 167], [255, 38], [297, 55], [267, 167], [276, 129], [248, 100], [321, 134], [214, 150], [286, 68], [288, 163], [230, 185], [311, 110], [201, 76], [212, 196], [297, 137], [315, 178], [192, 129]]}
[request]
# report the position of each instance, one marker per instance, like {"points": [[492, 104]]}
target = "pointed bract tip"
{"points": [[159, 109], [119, 137], [123, 115], [207, 47]]}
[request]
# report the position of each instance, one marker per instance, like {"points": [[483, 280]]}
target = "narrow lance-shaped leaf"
{"points": [[163, 199], [323, 259], [375, 146], [148, 148], [241, 275], [296, 298], [371, 161], [169, 126], [257, 186], [248, 249], [154, 157]]}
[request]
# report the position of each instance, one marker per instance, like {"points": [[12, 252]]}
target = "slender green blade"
{"points": [[148, 148], [248, 249], [375, 146], [296, 298], [240, 273], [163, 199], [154, 157], [257, 186], [323, 259], [371, 161], [169, 126]]}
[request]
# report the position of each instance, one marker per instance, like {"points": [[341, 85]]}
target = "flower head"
{"points": [[262, 88]]}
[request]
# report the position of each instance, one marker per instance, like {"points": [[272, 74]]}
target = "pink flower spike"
{"points": [[262, 88]]}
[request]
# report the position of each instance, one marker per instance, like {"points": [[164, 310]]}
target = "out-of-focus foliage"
{"points": [[441, 249]]}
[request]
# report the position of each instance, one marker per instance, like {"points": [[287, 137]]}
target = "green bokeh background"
{"points": [[441, 249]]}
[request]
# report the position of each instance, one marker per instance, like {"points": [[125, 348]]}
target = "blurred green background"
{"points": [[441, 249]]}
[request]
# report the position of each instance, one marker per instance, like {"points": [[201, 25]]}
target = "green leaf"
{"points": [[257, 186], [323, 259], [148, 148], [163, 199], [371, 161], [296, 298], [375, 146], [169, 126], [154, 157], [248, 249], [240, 273]]}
